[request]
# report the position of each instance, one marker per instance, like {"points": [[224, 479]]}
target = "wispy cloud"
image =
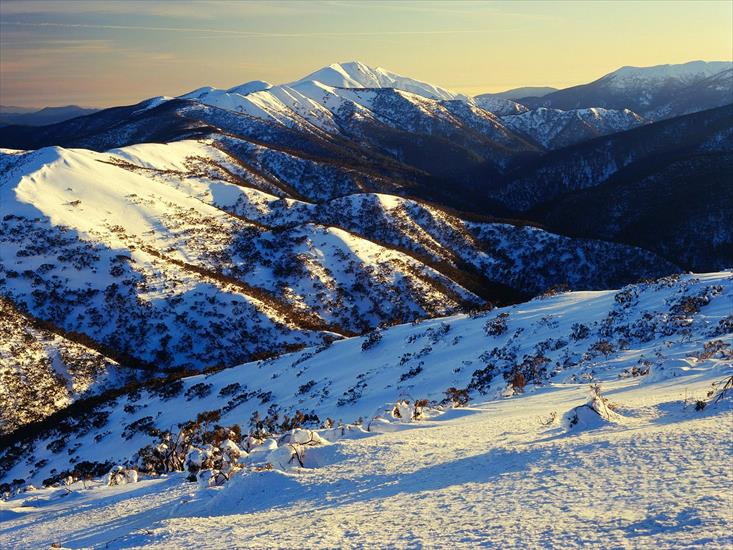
{"points": [[189, 9], [249, 34], [60, 45], [471, 8]]}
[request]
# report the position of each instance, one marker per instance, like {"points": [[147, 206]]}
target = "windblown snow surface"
{"points": [[553, 466]]}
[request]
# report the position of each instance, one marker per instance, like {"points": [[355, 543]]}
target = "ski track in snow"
{"points": [[490, 475]]}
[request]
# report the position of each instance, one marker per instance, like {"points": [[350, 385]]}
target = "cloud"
{"points": [[249, 34], [471, 8], [190, 9], [65, 46]]}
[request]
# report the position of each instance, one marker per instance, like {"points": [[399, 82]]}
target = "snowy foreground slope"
{"points": [[489, 475], [528, 464]]}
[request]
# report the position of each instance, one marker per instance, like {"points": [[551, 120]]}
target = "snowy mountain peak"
{"points": [[634, 76], [250, 87], [198, 92], [355, 74]]}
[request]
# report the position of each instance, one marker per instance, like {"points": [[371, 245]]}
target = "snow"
{"points": [[548, 462], [499, 106], [626, 331], [554, 128], [590, 420], [355, 74], [249, 87], [489, 475], [317, 99], [630, 77], [152, 103]]}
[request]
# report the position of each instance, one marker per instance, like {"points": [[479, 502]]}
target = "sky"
{"points": [[103, 53]]}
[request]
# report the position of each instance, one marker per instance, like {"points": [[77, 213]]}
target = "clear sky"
{"points": [[101, 53]]}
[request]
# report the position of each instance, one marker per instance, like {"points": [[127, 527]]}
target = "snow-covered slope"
{"points": [[640, 77], [43, 369], [672, 328], [493, 249], [85, 232], [489, 475], [499, 106], [154, 252], [320, 97], [554, 128], [658, 92], [355, 74]]}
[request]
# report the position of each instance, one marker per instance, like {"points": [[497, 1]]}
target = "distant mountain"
{"points": [[680, 209], [355, 74], [47, 115], [554, 129], [663, 186], [499, 106], [662, 91], [10, 109], [591, 163], [424, 142], [317, 142], [517, 94]]}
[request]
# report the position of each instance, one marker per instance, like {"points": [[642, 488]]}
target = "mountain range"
{"points": [[40, 117], [223, 226], [358, 309]]}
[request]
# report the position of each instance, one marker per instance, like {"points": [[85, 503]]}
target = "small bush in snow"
{"points": [[305, 388], [579, 331], [481, 379], [84, 470], [518, 381], [414, 371], [171, 390], [230, 389], [497, 326], [143, 425], [405, 410], [718, 390], [198, 391], [722, 388], [642, 369], [371, 340], [602, 346], [119, 475], [598, 408], [456, 397], [550, 420], [298, 420], [554, 290], [725, 326], [715, 347], [57, 445]]}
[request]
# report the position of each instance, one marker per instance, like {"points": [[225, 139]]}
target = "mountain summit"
{"points": [[355, 74]]}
